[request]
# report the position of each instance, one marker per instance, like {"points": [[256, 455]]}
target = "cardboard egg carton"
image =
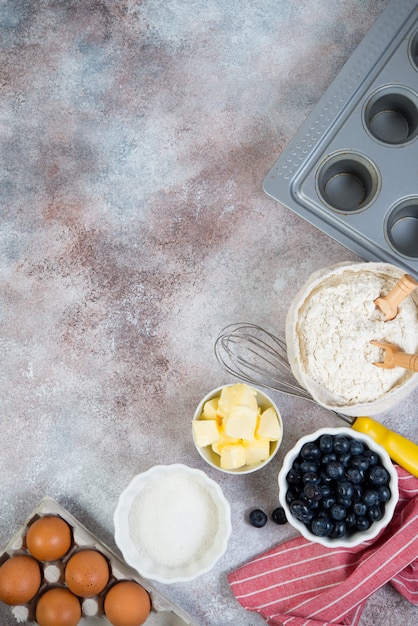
{"points": [[163, 611]]}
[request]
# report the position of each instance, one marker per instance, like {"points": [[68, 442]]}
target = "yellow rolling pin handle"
{"points": [[401, 450]]}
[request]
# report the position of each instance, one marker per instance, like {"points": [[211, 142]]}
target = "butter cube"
{"points": [[224, 440], [210, 409], [240, 424], [257, 450], [237, 395], [268, 426], [233, 456], [205, 432]]}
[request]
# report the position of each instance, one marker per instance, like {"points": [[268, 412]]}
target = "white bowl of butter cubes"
{"points": [[237, 429]]}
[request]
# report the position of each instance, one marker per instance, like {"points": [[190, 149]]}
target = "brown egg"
{"points": [[49, 538], [87, 573], [58, 607], [20, 579], [127, 604]]}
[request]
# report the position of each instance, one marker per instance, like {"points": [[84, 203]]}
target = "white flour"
{"points": [[336, 324], [174, 521]]}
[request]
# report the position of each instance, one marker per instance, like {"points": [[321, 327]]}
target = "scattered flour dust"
{"points": [[335, 326], [173, 520]]}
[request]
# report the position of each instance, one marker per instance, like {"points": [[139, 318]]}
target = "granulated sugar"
{"points": [[336, 324], [173, 520]]}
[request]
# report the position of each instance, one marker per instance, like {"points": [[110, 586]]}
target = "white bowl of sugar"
{"points": [[172, 523], [329, 326]]}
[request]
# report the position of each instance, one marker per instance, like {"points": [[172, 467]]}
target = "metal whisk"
{"points": [[257, 357]]}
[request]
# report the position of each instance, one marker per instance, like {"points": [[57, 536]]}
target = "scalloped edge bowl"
{"points": [[359, 537], [141, 559]]}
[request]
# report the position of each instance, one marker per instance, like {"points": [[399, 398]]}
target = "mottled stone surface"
{"points": [[135, 137]]}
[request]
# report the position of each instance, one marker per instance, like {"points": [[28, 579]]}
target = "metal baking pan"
{"points": [[352, 168], [163, 612]]}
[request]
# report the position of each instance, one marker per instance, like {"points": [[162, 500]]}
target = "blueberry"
{"points": [[327, 458], [326, 490], [371, 497], [311, 477], [301, 511], [339, 530], [350, 520], [345, 459], [279, 516], [338, 511], [328, 502], [341, 444], [326, 443], [310, 452], [321, 526], [362, 523], [335, 469], [360, 462], [357, 493], [291, 496], [312, 492], [384, 494], [374, 513], [356, 447], [372, 457], [308, 467], [258, 518], [360, 508], [293, 477], [345, 489], [354, 475], [378, 475]]}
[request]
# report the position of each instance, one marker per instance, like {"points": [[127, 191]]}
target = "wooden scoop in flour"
{"points": [[395, 358], [389, 304]]}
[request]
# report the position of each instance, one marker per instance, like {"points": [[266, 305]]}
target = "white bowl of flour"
{"points": [[329, 326]]}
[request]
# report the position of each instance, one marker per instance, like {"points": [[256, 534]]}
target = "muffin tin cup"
{"points": [[351, 168], [163, 611]]}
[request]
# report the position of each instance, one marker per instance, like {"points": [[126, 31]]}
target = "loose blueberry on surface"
{"points": [[258, 518], [279, 516]]}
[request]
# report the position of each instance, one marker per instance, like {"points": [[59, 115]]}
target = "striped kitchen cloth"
{"points": [[301, 583]]}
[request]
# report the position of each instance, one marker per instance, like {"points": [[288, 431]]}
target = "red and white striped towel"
{"points": [[301, 583]]}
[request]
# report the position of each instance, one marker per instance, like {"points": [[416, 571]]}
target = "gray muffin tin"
{"points": [[352, 168]]}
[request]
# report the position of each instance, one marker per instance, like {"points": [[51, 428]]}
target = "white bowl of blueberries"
{"points": [[338, 487]]}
